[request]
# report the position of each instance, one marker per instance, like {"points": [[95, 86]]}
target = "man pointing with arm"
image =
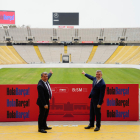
{"points": [[44, 95], [96, 95]]}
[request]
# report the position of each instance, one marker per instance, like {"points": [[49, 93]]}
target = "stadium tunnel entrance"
{"points": [[65, 59]]}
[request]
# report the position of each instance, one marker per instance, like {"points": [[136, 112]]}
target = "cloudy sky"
{"points": [[92, 13]]}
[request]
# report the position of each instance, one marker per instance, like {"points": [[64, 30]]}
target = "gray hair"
{"points": [[99, 71], [45, 73]]}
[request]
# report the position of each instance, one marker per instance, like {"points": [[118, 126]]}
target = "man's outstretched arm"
{"points": [[88, 76], [50, 74]]}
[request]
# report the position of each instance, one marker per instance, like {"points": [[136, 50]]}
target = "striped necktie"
{"points": [[50, 93]]}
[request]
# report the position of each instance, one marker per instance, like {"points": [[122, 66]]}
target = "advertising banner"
{"points": [[71, 27], [42, 41], [87, 41], [7, 17], [61, 26], [69, 102]]}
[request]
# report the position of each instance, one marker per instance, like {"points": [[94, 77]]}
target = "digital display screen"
{"points": [[7, 17], [65, 18]]}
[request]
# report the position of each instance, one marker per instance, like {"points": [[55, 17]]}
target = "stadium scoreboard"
{"points": [[65, 18]]}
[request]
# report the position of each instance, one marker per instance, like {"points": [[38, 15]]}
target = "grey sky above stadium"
{"points": [[92, 13]]}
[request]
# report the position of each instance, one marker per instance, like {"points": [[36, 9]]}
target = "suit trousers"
{"points": [[43, 114], [94, 111]]}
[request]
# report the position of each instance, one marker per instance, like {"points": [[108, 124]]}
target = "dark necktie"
{"points": [[94, 83], [49, 90]]}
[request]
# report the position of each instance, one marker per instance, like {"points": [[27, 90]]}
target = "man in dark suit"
{"points": [[96, 95], [44, 95]]}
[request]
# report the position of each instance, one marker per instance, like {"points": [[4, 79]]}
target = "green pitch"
{"points": [[69, 75]]}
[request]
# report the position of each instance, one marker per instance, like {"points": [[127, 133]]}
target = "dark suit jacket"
{"points": [[43, 95], [98, 90]]}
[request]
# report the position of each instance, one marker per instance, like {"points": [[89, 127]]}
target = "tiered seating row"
{"points": [[8, 55], [109, 35], [104, 54], [125, 55]]}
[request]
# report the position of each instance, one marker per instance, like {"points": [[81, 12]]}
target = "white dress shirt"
{"points": [[48, 87], [98, 80]]}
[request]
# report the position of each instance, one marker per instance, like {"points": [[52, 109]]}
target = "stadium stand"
{"points": [[92, 54], [60, 57], [109, 35], [8, 55], [133, 35], [135, 60], [125, 55], [65, 49], [18, 34], [4, 57], [112, 34], [134, 57], [42, 34], [2, 34], [65, 34], [39, 54], [105, 53], [121, 54], [51, 53], [129, 53], [27, 52], [79, 53], [102, 53], [19, 58], [89, 34]]}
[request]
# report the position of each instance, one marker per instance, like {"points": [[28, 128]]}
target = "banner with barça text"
{"points": [[69, 102], [7, 17]]}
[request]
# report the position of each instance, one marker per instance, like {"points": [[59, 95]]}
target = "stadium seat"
{"points": [[112, 34], [79, 53], [125, 55], [39, 54], [42, 34], [2, 34], [27, 52], [102, 53], [92, 54], [10, 56], [51, 54]]}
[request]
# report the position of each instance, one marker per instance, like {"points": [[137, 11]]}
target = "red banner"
{"points": [[7, 17], [70, 27], [61, 26], [42, 41], [69, 102], [87, 41]]}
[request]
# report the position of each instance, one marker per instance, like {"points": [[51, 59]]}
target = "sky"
{"points": [[92, 13]]}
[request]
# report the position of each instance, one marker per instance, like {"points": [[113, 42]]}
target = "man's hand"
{"points": [[83, 73], [46, 106], [98, 106], [51, 72]]}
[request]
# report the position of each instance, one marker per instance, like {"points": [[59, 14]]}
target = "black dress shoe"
{"points": [[96, 129], [47, 128], [42, 131], [88, 127]]}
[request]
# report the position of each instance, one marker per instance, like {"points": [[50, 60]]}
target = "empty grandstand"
{"points": [[102, 53], [49, 45], [125, 55], [28, 53], [8, 55]]}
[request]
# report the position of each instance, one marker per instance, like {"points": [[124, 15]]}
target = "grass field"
{"points": [[69, 75]]}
